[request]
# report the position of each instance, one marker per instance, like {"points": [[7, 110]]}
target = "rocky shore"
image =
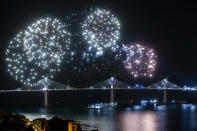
{"points": [[10, 122]]}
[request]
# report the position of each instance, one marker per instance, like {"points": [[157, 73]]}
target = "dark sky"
{"points": [[169, 27]]}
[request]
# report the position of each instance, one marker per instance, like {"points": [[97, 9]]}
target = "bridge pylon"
{"points": [[112, 95], [46, 92], [46, 98], [165, 95]]}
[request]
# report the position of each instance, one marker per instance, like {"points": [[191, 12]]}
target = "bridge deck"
{"points": [[78, 89]]}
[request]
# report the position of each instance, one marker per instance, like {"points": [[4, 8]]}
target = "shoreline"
{"points": [[9, 121]]}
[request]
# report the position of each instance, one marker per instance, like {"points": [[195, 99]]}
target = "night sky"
{"points": [[168, 27]]}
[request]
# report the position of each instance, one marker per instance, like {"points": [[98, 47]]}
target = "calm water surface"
{"points": [[163, 118]]}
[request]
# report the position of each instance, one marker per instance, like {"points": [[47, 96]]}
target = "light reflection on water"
{"points": [[140, 121], [163, 118]]}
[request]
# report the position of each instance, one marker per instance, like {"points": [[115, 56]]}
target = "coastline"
{"points": [[9, 121]]}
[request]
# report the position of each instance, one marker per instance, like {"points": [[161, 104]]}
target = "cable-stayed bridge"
{"points": [[110, 84]]}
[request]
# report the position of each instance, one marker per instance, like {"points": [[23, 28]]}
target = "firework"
{"points": [[101, 30], [46, 41], [86, 56], [140, 60], [17, 63], [38, 51]]}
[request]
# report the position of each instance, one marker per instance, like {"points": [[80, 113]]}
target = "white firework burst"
{"points": [[101, 30], [17, 63], [46, 41], [38, 51], [87, 56]]}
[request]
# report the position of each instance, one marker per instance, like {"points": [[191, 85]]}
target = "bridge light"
{"points": [[173, 101], [139, 86], [153, 101], [144, 102], [44, 89], [103, 87], [186, 87], [91, 87], [19, 89], [158, 87], [111, 80], [164, 82]]}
